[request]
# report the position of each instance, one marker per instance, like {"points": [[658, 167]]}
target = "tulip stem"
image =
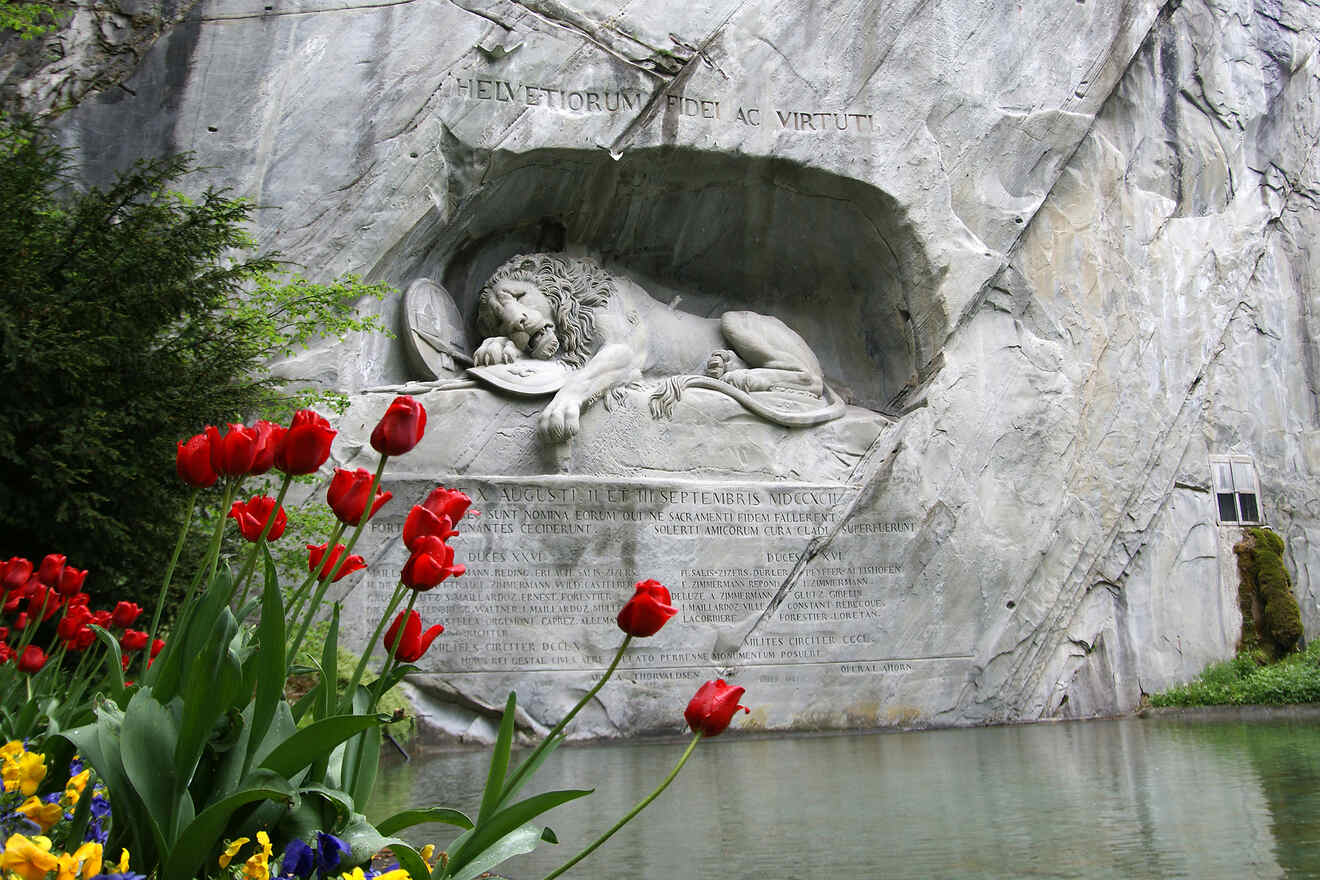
{"points": [[346, 702], [516, 780], [320, 570], [217, 537], [696, 738], [245, 576], [391, 652], [169, 574]]}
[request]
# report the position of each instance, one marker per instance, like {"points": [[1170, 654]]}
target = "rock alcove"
{"points": [[834, 258]]}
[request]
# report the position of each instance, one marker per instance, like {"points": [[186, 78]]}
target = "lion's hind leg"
{"points": [[776, 356]]}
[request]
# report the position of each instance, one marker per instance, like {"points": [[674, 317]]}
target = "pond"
{"points": [[1123, 798]]}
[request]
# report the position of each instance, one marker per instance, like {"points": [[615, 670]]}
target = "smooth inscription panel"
{"points": [[551, 561]]}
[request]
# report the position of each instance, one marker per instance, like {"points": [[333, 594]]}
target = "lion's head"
{"points": [[575, 287]]}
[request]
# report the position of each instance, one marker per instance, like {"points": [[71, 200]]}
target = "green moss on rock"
{"points": [[1271, 617]]}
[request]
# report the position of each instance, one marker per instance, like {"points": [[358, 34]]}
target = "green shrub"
{"points": [[1241, 681], [131, 319]]}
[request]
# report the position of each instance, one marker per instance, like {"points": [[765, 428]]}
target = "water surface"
{"points": [[1129, 798]]}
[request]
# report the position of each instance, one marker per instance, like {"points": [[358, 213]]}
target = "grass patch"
{"points": [[1242, 681]]}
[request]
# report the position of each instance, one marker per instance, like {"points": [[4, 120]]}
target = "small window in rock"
{"points": [[1237, 491]]}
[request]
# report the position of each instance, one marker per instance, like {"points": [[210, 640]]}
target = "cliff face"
{"points": [[1057, 255]]}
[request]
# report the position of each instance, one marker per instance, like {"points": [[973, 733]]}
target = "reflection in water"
{"points": [[1093, 799]]}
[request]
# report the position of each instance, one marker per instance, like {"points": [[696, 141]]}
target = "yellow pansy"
{"points": [[232, 850], [29, 858], [122, 867], [257, 867], [90, 855], [396, 874], [73, 789], [24, 773], [355, 874], [11, 750], [42, 813], [427, 853]]}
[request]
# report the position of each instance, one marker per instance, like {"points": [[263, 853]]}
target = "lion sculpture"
{"points": [[596, 332]]}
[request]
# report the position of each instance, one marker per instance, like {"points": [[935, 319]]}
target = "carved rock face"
{"points": [[1076, 262]]}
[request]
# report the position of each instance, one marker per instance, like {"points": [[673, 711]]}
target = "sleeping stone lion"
{"points": [[606, 332]]}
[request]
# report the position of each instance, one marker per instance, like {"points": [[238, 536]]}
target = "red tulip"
{"points": [[252, 517], [51, 568], [269, 437], [82, 640], [134, 640], [45, 602], [78, 599], [31, 660], [123, 615], [316, 553], [348, 495], [75, 618], [156, 648], [713, 707], [71, 581], [232, 453], [192, 460], [15, 573], [21, 621], [413, 643], [305, 445], [437, 516], [647, 611], [6, 652], [401, 428], [431, 562]]}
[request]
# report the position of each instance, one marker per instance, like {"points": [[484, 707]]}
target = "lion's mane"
{"points": [[575, 287]]}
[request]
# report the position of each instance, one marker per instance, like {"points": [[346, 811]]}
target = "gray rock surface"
{"points": [[1055, 254]]}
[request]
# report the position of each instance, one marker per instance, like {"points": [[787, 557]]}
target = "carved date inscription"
{"points": [[550, 564]]}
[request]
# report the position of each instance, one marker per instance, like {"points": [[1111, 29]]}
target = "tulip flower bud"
{"points": [[713, 707], [317, 562], [647, 611], [430, 563], [71, 581], [31, 660], [192, 460], [232, 453], [253, 514], [401, 428], [134, 640], [412, 643], [51, 568], [123, 615], [15, 573], [348, 495], [305, 445], [269, 437]]}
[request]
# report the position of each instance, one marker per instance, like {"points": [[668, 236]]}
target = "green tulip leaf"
{"points": [[148, 739], [270, 663], [196, 842], [114, 660], [316, 742], [408, 818], [499, 762], [408, 859], [361, 759], [214, 681], [486, 834], [521, 840], [529, 767]]}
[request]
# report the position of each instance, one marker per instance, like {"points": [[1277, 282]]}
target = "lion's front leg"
{"points": [[562, 417], [614, 364]]}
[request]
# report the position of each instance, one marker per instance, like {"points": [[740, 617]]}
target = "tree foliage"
{"points": [[29, 18], [132, 316]]}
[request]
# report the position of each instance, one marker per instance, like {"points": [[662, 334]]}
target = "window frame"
{"points": [[1227, 472]]}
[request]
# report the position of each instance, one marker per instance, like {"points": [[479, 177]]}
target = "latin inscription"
{"points": [[546, 577], [604, 100]]}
